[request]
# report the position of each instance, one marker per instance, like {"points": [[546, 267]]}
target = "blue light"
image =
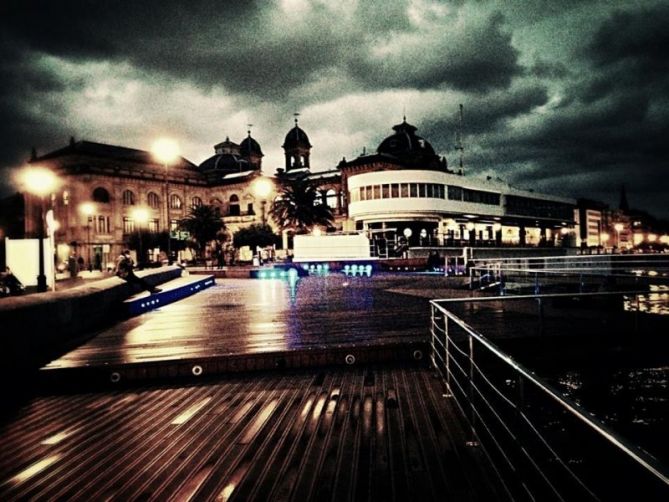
{"points": [[261, 275], [292, 273], [319, 267], [326, 267], [282, 273], [305, 266], [346, 269], [272, 274], [368, 270], [354, 269]]}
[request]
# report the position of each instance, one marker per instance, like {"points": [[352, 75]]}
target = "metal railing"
{"points": [[542, 444], [585, 272]]}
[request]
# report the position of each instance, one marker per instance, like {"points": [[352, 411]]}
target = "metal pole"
{"points": [[88, 230], [262, 207], [447, 358], [41, 277], [167, 218], [472, 415]]}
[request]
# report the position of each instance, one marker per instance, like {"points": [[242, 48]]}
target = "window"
{"points": [[128, 225], [331, 198], [153, 200], [66, 198], [234, 206], [480, 197], [404, 190], [102, 224], [101, 195], [175, 201], [430, 190], [385, 191], [377, 191], [249, 209], [413, 190], [421, 189], [128, 198], [454, 193], [196, 202], [440, 189], [153, 226], [368, 193], [395, 190]]}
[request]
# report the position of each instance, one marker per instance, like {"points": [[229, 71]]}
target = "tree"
{"points": [[299, 207], [204, 224], [255, 235]]}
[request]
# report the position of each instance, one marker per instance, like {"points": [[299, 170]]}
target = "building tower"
{"points": [[249, 150], [297, 148]]}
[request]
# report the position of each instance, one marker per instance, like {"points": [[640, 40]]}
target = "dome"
{"points": [[227, 162], [296, 137], [250, 146], [406, 145]]}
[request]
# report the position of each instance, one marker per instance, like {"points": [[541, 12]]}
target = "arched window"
{"points": [[175, 201], [331, 198], [154, 200], [234, 205], [196, 202], [128, 198], [101, 195]]}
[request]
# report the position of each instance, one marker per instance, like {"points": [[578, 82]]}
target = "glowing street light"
{"points": [[262, 189], [141, 216], [166, 151], [40, 181], [88, 210], [618, 227]]}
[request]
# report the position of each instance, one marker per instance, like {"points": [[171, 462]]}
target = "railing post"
{"points": [[472, 409], [447, 357]]}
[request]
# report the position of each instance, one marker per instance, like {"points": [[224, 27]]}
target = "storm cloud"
{"points": [[570, 99]]}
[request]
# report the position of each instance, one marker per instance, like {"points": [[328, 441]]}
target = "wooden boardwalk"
{"points": [[367, 433], [251, 316]]}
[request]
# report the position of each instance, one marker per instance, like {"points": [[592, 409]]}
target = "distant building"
{"points": [[402, 192]]}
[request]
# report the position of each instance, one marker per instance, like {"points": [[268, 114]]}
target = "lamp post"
{"points": [[618, 227], [40, 181], [140, 215], [262, 189], [88, 209], [166, 151]]}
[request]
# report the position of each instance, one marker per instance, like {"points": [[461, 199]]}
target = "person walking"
{"points": [[124, 270]]}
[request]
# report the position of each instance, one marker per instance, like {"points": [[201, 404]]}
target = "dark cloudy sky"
{"points": [[568, 97]]}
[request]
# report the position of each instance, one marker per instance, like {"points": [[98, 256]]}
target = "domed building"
{"points": [[406, 191], [297, 148], [410, 149]]}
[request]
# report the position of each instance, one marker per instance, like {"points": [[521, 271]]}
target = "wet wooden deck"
{"points": [[369, 433], [258, 317]]}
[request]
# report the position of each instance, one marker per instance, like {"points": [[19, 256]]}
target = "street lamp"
{"points": [[618, 227], [141, 216], [166, 151], [262, 189], [88, 209], [40, 181]]}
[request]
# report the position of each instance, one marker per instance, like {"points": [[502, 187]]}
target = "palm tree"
{"points": [[299, 207], [204, 224]]}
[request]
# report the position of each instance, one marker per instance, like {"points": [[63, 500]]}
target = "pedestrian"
{"points": [[72, 266], [80, 262], [124, 270]]}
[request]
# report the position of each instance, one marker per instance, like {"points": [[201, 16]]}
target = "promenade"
{"points": [[377, 429]]}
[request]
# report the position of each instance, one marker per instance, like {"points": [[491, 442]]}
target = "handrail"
{"points": [[642, 459]]}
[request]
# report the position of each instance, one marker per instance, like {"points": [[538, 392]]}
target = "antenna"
{"points": [[404, 113], [249, 128], [296, 114], [459, 145]]}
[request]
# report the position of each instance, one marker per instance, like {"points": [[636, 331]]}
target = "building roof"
{"points": [[250, 146], [407, 146], [119, 153], [226, 162], [296, 137]]}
